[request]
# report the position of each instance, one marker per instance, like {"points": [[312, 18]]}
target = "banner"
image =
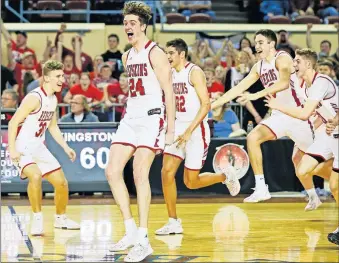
{"points": [[91, 144]]}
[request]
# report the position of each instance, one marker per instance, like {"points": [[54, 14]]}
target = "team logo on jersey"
{"points": [[231, 154]]}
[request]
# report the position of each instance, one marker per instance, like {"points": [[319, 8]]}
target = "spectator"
{"points": [[97, 63], [92, 93], [105, 77], [7, 77], [80, 111], [220, 74], [86, 60], [327, 8], [326, 67], [213, 86], [200, 51], [117, 93], [272, 8], [225, 121], [9, 99], [27, 65], [19, 47], [71, 65], [187, 8], [113, 55], [285, 44], [241, 68], [325, 45], [301, 8]]}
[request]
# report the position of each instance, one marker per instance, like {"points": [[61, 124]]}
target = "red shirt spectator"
{"points": [[105, 73], [20, 47], [92, 93], [69, 68], [27, 65], [216, 87]]}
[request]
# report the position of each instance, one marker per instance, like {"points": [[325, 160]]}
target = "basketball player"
{"points": [[276, 72], [142, 130], [322, 97], [192, 135], [26, 136], [331, 125]]}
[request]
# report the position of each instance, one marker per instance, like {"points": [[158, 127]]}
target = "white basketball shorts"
{"points": [[325, 147], [143, 132], [281, 125], [196, 149], [38, 155]]}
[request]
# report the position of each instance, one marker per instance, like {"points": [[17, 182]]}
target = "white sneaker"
{"points": [[125, 243], [313, 204], [172, 227], [63, 222], [258, 195], [232, 181], [138, 253], [37, 226]]}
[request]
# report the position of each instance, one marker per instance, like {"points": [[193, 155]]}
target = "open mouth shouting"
{"points": [[130, 35]]}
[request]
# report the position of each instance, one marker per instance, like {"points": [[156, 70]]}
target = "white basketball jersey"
{"points": [[186, 98], [325, 90], [145, 92], [269, 75], [32, 130]]}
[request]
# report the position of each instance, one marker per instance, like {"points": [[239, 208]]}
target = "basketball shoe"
{"points": [[313, 203], [61, 221], [258, 195], [172, 227], [232, 181], [334, 237], [37, 226], [139, 252], [126, 242]]}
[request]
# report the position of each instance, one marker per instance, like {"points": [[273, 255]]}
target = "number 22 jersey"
{"points": [[31, 132]]}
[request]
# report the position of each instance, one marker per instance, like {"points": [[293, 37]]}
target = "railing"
{"points": [[156, 7]]}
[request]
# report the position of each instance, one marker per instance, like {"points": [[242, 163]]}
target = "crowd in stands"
{"points": [[96, 89]]}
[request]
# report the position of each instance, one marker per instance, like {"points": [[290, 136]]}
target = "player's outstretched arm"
{"points": [[56, 134], [284, 65], [243, 85], [198, 80], [162, 70], [29, 104], [295, 112]]}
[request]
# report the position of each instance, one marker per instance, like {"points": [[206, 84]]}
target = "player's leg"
{"points": [[34, 191], [58, 180], [143, 159], [118, 158], [255, 138], [169, 169], [334, 181]]}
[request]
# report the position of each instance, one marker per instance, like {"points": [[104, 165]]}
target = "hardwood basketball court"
{"points": [[216, 230]]}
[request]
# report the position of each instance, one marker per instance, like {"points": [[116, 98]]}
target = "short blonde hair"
{"points": [[51, 65], [140, 9], [308, 54]]}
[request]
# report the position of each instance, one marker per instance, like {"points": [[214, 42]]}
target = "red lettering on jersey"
{"points": [[42, 126], [180, 88], [46, 116], [268, 77], [137, 70]]}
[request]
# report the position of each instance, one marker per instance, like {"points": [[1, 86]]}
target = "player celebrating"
{"points": [[142, 130], [26, 135], [321, 93], [276, 72], [192, 132], [331, 125]]}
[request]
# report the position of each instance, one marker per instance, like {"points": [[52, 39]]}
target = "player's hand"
{"points": [[15, 156], [169, 138], [183, 139], [330, 126], [71, 153], [272, 102]]}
